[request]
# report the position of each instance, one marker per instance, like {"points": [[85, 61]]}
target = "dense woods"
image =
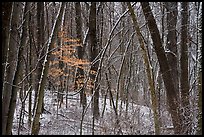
{"points": [[113, 59]]}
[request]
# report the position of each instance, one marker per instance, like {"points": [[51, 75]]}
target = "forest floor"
{"points": [[137, 120]]}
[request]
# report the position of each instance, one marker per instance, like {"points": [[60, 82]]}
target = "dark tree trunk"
{"points": [[42, 83], [18, 71], [148, 70], [6, 15], [186, 129], [7, 74], [164, 67], [80, 52], [171, 43], [93, 54], [40, 45]]}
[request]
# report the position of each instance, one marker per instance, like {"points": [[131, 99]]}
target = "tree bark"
{"points": [[171, 43], [12, 104], [164, 67], [93, 54], [7, 74], [148, 70], [40, 46], [186, 129], [51, 41], [124, 67], [80, 52], [30, 69], [199, 130], [6, 15]]}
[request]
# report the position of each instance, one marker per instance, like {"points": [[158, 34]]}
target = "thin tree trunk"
{"points": [[199, 130], [80, 51], [148, 70], [51, 41], [30, 69], [186, 129], [124, 67], [94, 64], [114, 107], [93, 54], [128, 86], [40, 46], [61, 66], [159, 80]]}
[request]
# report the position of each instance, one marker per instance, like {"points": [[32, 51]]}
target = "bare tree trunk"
{"points": [[171, 43], [148, 70], [124, 67], [186, 129], [80, 51], [94, 64], [93, 54], [114, 107], [6, 16], [17, 74], [61, 65], [51, 41], [40, 46], [7, 74], [30, 69], [164, 67], [199, 130]]}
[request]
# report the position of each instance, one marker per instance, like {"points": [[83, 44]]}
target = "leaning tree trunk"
{"points": [[164, 67], [51, 41], [124, 67], [148, 70]]}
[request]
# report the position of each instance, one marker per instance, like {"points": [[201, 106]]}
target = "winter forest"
{"points": [[101, 68]]}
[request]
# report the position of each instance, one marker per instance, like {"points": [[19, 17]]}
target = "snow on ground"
{"points": [[137, 120]]}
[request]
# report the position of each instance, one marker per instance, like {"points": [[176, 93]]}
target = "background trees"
{"points": [[143, 53], [6, 15]]}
